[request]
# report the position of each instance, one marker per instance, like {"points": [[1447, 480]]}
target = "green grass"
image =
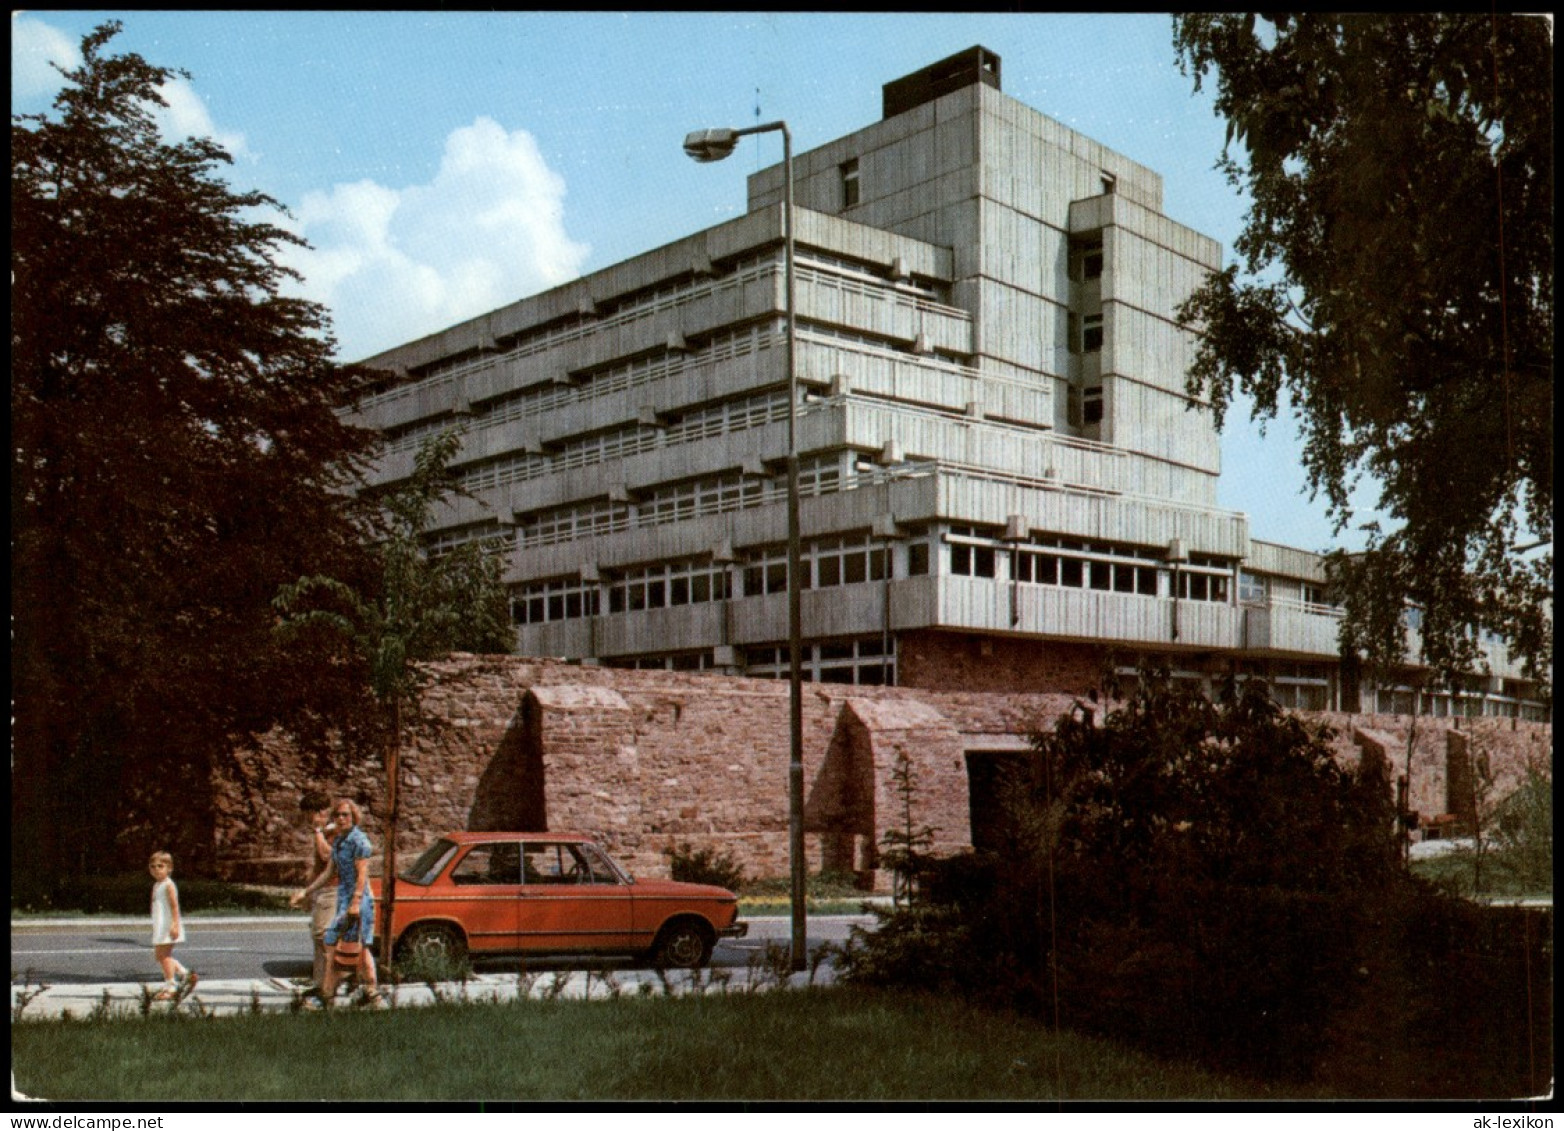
{"points": [[820, 1044]]}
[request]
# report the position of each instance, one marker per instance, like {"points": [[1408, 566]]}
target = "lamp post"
{"points": [[714, 145]]}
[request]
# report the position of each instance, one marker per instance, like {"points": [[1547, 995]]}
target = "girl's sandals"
{"points": [[374, 999], [164, 995]]}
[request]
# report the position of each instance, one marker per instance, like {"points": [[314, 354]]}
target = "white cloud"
{"points": [[34, 45], [186, 115], [395, 264]]}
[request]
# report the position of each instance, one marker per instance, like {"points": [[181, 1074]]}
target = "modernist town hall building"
{"points": [[1004, 482]]}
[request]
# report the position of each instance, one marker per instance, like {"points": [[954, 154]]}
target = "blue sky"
{"points": [[443, 164]]}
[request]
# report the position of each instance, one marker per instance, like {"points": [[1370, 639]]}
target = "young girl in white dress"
{"points": [[167, 928]]}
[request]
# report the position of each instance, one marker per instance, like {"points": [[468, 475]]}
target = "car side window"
{"points": [[541, 864], [489, 864], [554, 864], [597, 866]]}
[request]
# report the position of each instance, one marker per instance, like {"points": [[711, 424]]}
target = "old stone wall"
{"points": [[647, 761]]}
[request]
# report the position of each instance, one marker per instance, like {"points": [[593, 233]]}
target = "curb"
{"points": [[240, 997]]}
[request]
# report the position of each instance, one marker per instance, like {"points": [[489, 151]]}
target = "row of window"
{"points": [[544, 601], [817, 475], [851, 560], [619, 311], [869, 661], [825, 563], [1400, 700], [623, 309], [866, 661], [491, 535], [658, 586], [624, 375], [1087, 565]]}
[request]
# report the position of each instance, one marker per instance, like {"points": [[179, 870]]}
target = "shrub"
{"points": [[705, 866], [1203, 878], [430, 969]]}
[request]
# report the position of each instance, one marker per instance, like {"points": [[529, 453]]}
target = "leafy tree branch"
{"points": [[1397, 290]]}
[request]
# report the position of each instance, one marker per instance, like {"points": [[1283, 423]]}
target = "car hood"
{"points": [[677, 888]]}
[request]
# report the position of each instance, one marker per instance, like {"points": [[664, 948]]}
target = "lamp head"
{"points": [[711, 145]]}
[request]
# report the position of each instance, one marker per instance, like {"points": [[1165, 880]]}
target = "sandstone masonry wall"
{"points": [[648, 760]]}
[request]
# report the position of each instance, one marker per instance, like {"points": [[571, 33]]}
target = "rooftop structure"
{"points": [[1005, 482]]}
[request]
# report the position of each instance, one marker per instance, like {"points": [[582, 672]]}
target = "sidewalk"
{"points": [[230, 997], [233, 996]]}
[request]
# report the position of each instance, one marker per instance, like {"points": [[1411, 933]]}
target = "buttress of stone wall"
{"points": [[936, 759], [839, 800]]}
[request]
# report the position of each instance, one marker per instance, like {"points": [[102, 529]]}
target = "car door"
{"points": [[486, 889], [568, 904]]}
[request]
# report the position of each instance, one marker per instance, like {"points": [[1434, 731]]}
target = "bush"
{"points": [[918, 946], [705, 866], [429, 969], [1202, 878]]}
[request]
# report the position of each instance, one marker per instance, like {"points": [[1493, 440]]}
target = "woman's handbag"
{"points": [[349, 954]]}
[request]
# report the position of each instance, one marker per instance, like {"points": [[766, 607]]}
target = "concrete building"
{"points": [[1004, 481]]}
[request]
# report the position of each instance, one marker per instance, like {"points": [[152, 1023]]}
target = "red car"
{"points": [[496, 893]]}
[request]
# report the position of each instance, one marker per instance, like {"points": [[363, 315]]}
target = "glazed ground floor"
{"points": [[936, 659]]}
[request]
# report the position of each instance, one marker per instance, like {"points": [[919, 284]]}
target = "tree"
{"points": [[1399, 254], [422, 607], [1234, 791], [907, 845], [175, 457], [1192, 873]]}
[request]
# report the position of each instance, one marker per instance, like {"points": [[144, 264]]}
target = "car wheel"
{"points": [[684, 945], [432, 942]]}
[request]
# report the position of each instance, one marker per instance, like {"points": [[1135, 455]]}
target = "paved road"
{"points": [[64, 951]]}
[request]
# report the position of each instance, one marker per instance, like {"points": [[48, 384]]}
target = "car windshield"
{"points": [[423, 870]]}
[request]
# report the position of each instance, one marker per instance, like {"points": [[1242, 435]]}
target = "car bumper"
{"points": [[737, 931]]}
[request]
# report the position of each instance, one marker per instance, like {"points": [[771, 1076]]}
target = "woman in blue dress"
{"points": [[355, 918]]}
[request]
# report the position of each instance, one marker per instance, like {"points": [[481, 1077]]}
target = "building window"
{"points": [[675, 662], [845, 561], [1091, 333], [917, 559], [972, 561], [866, 661], [1202, 587], [1110, 183], [1100, 572], [849, 182], [1086, 261], [1091, 401], [1316, 599], [688, 582], [1251, 589], [546, 601]]}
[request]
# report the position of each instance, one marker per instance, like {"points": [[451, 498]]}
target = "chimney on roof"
{"points": [[974, 65]]}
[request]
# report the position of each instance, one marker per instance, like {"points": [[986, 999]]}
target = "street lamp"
{"points": [[714, 145]]}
